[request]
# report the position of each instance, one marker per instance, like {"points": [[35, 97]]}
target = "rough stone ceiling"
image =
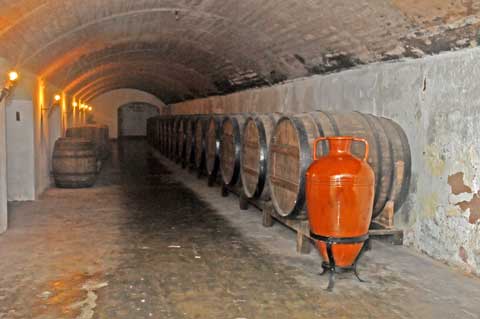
{"points": [[191, 48]]}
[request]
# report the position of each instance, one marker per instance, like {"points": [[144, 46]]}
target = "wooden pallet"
{"points": [[381, 228], [301, 227], [243, 201]]}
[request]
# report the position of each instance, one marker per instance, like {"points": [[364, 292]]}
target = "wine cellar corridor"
{"points": [[227, 159]]}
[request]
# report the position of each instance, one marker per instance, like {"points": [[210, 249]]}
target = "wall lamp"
{"points": [[55, 102], [85, 107], [11, 82]]}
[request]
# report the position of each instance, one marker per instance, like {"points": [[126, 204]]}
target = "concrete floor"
{"points": [[151, 241]]}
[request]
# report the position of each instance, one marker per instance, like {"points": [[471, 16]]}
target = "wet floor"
{"points": [[151, 241]]}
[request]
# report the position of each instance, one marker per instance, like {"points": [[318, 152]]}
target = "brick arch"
{"points": [[233, 45]]}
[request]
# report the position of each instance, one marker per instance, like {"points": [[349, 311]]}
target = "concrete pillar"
{"points": [[20, 150]]}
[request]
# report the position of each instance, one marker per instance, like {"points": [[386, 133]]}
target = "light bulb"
{"points": [[13, 76], [75, 104]]}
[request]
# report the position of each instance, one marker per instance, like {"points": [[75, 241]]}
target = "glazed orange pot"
{"points": [[340, 193]]}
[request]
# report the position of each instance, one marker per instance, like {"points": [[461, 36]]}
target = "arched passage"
{"points": [[105, 106]]}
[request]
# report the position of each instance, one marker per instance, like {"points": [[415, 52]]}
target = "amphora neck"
{"points": [[340, 145]]}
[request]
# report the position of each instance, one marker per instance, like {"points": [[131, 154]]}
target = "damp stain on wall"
{"points": [[434, 161]]}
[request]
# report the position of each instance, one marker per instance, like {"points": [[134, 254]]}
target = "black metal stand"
{"points": [[330, 266]]}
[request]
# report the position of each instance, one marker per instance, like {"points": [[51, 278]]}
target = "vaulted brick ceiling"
{"points": [[191, 48]]}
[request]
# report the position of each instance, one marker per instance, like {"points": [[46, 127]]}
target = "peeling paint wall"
{"points": [[437, 102]]}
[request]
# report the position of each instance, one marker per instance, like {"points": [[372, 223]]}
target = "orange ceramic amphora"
{"points": [[340, 193]]}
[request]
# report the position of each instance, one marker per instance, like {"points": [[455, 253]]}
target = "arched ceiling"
{"points": [[184, 49]]}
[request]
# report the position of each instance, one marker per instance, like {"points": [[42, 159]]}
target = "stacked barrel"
{"points": [[266, 156], [98, 134]]}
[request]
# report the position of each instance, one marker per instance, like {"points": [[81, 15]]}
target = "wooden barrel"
{"points": [[174, 139], [257, 133], [169, 141], [98, 134], [230, 148], [181, 139], [291, 154], [213, 136], [201, 123], [167, 135], [189, 141], [161, 135], [73, 132], [149, 131], [156, 133], [74, 163]]}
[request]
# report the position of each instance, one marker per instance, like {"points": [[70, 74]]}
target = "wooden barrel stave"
{"points": [[401, 162], [189, 141], [212, 144], [199, 140], [174, 140], [170, 136], [289, 157], [257, 133], [230, 148], [181, 139]]}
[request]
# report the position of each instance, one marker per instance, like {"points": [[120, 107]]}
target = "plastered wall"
{"points": [[437, 102]]}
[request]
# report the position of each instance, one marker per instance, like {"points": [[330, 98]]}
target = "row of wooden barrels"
{"points": [[267, 155], [77, 158]]}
